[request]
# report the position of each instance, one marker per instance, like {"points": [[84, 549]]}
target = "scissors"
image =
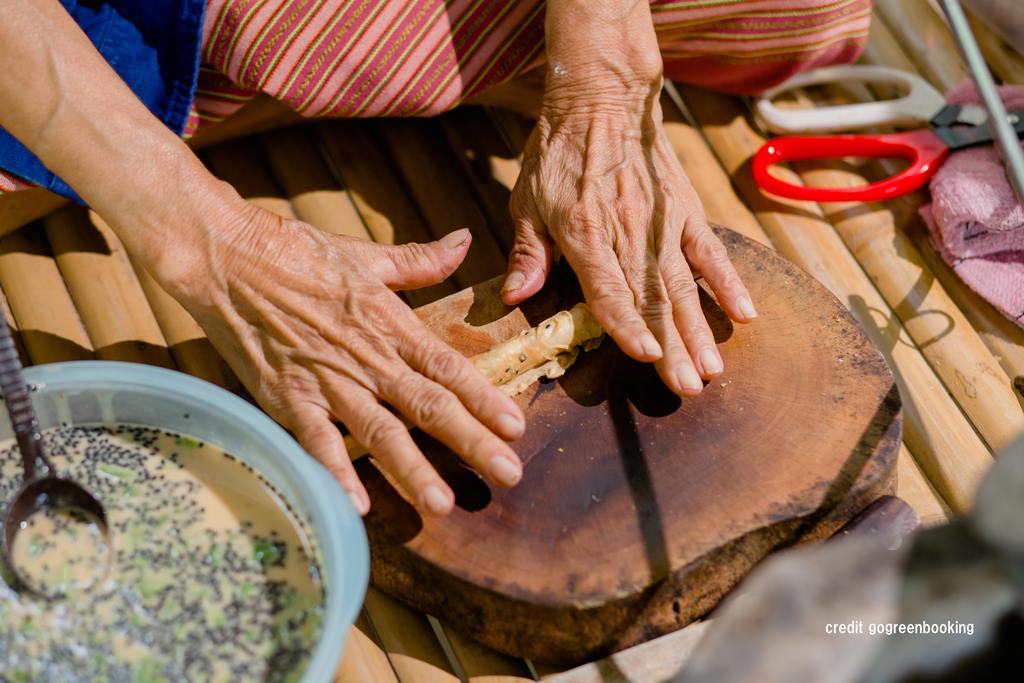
{"points": [[949, 128]]}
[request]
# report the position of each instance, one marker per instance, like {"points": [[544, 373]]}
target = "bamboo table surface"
{"points": [[70, 292]]}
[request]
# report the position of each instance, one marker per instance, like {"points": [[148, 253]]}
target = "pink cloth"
{"points": [[976, 222]]}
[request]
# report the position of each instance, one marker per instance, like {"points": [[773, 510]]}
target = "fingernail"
{"points": [[514, 281], [746, 308], [710, 361], [358, 503], [511, 425], [434, 500], [650, 345], [688, 378], [505, 470], [455, 239]]}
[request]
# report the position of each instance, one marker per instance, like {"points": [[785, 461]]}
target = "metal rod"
{"points": [[1007, 143]]}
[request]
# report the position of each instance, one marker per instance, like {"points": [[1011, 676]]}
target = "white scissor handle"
{"points": [[921, 102]]}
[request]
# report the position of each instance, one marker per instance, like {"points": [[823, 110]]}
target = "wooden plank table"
{"points": [[71, 293]]}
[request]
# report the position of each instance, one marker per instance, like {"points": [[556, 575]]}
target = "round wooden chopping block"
{"points": [[639, 510]]}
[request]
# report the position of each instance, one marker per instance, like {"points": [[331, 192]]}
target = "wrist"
{"points": [[170, 220], [601, 55]]}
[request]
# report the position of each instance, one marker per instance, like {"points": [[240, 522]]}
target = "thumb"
{"points": [[414, 265], [529, 262]]}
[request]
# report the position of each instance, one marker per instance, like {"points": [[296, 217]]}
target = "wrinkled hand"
{"points": [[310, 324], [600, 180]]}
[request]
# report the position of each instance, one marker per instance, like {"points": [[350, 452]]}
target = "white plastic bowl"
{"points": [[83, 393]]}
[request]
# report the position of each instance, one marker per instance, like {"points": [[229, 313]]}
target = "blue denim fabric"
{"points": [[153, 45]]}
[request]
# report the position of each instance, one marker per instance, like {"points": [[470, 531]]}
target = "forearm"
{"points": [[606, 50], [64, 102]]}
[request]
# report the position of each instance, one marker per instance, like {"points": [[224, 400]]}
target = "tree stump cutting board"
{"points": [[639, 510]]}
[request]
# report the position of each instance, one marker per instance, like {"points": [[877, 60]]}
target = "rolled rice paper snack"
{"points": [[546, 350]]}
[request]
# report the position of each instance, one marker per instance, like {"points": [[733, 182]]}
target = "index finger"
{"points": [[613, 303]]}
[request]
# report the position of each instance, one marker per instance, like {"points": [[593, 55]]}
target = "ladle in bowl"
{"points": [[42, 490]]}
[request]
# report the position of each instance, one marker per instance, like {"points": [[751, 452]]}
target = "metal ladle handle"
{"points": [[19, 407]]}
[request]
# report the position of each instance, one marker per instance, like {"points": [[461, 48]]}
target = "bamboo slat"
{"points": [[953, 348], [926, 39], [408, 640], [720, 202], [105, 290], [377, 191], [50, 327], [192, 351], [913, 487], [22, 207], [12, 325], [660, 659], [481, 664], [472, 137], [313, 190], [883, 48], [364, 660], [937, 433], [1004, 339], [436, 184], [240, 163]]}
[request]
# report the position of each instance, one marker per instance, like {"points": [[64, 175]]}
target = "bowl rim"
{"points": [[342, 532]]}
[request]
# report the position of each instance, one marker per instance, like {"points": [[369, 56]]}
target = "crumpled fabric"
{"points": [[976, 221]]}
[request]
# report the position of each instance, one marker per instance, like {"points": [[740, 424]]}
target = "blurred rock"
{"points": [[956, 592]]}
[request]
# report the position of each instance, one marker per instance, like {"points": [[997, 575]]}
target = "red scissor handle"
{"points": [[922, 148]]}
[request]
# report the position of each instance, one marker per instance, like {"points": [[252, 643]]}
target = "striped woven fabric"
{"points": [[346, 58]]}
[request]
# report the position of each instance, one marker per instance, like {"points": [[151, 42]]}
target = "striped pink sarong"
{"points": [[347, 58], [369, 58]]}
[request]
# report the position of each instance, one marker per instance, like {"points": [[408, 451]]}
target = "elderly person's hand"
{"points": [[600, 180], [311, 324], [307, 320]]}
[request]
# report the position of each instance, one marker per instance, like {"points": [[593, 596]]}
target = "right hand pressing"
{"points": [[310, 324]]}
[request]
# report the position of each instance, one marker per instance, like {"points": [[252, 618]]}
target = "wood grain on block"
{"points": [[105, 290], [639, 510], [316, 197], [936, 431], [50, 327]]}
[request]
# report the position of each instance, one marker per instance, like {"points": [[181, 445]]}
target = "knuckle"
{"points": [[377, 430], [708, 249], [417, 472], [431, 408], [446, 366]]}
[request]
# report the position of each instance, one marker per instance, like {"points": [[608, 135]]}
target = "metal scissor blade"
{"points": [[968, 136]]}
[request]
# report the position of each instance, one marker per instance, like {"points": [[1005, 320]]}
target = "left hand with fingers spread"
{"points": [[600, 180]]}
